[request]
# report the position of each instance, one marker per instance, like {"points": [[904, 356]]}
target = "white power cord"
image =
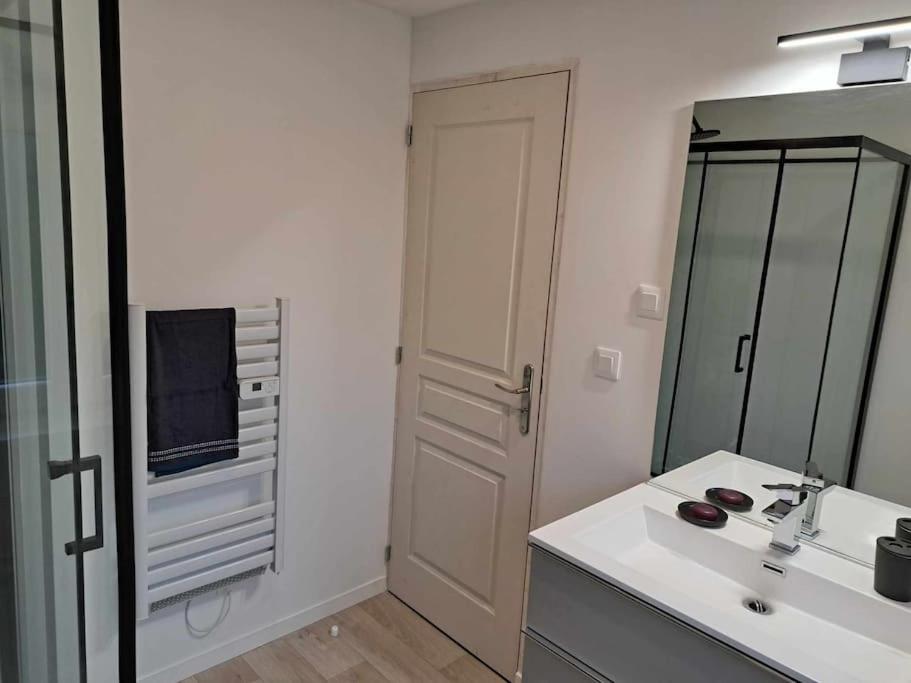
{"points": [[222, 614]]}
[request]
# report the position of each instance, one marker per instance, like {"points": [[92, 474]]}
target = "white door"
{"points": [[484, 180]]}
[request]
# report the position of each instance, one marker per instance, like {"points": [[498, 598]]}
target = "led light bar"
{"points": [[869, 29]]}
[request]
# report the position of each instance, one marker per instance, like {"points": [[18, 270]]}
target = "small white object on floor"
{"points": [[334, 631]]}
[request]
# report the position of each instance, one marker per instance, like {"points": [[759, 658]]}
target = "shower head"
{"points": [[699, 133]]}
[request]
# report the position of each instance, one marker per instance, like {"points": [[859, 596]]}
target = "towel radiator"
{"points": [[200, 529]]}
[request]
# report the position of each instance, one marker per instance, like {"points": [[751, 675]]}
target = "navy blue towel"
{"points": [[192, 388]]}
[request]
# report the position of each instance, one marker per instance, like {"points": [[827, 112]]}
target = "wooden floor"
{"points": [[379, 641]]}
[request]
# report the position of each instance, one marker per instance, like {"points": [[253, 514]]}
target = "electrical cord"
{"points": [[222, 615]]}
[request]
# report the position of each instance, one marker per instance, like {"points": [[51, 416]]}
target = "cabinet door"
{"points": [[622, 638], [541, 664]]}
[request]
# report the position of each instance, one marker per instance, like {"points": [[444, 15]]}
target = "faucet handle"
{"points": [[792, 494], [814, 479]]}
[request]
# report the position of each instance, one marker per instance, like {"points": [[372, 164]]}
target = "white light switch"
{"points": [[650, 302], [607, 363]]}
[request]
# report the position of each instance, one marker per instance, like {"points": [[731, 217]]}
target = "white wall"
{"points": [[642, 64], [265, 157]]}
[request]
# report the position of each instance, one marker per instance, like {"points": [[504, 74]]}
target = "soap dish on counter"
{"points": [[702, 514], [731, 499]]}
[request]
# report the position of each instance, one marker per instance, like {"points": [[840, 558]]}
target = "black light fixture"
{"points": [[878, 62]]}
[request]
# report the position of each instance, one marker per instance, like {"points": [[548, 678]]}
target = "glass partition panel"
{"points": [[41, 639], [692, 193], [847, 367], [796, 305], [55, 377], [730, 240]]}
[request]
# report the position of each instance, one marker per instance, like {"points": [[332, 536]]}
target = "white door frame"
{"points": [[572, 66]]}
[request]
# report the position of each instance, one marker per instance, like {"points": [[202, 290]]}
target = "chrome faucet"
{"points": [[787, 512], [816, 487]]}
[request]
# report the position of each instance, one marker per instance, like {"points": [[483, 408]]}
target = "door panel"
{"points": [[731, 237], [444, 480], [55, 403], [799, 288], [484, 183], [480, 237]]}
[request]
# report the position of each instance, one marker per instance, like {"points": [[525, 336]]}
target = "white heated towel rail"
{"points": [[183, 543]]}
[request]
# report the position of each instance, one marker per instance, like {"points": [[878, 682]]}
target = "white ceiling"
{"points": [[417, 8]]}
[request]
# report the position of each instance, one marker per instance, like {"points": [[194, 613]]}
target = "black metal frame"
{"points": [[782, 146], [831, 142], [115, 190], [115, 185]]}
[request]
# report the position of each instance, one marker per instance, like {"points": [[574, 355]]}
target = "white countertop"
{"points": [[851, 521], [828, 623]]}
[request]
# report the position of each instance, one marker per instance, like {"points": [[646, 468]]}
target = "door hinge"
{"points": [[398, 355], [388, 553], [409, 135]]}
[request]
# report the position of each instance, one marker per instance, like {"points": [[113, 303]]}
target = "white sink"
{"points": [[851, 521], [825, 622]]}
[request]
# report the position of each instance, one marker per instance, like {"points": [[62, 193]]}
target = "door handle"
{"points": [[60, 468], [520, 390], [740, 342], [525, 392]]}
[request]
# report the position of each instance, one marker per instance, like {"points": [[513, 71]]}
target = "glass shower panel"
{"points": [[686, 233], [39, 611], [796, 306], [55, 397], [860, 284], [724, 281]]}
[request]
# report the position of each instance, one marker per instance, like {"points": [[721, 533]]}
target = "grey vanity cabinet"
{"points": [[543, 662], [582, 629]]}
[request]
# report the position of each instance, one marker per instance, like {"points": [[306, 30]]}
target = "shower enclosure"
{"points": [[58, 580], [783, 262]]}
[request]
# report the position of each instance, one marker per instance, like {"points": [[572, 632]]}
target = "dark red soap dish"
{"points": [[731, 499], [702, 514]]}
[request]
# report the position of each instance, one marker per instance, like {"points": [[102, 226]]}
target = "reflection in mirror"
{"points": [[787, 319]]}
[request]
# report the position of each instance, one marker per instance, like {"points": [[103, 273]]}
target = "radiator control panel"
{"points": [[262, 387]]}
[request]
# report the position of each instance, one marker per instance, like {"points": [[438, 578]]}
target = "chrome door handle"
{"points": [[525, 392], [520, 390]]}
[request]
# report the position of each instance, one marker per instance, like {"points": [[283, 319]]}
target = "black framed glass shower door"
{"points": [[779, 316], [58, 588], [729, 242]]}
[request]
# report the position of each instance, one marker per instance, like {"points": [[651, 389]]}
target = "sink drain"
{"points": [[756, 605]]}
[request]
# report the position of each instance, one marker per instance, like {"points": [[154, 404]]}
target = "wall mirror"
{"points": [[789, 317]]}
